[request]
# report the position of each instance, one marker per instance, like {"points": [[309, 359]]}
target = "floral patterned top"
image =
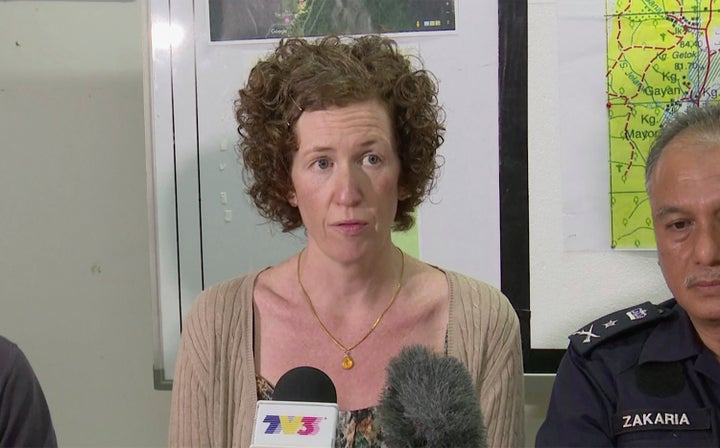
{"points": [[355, 428]]}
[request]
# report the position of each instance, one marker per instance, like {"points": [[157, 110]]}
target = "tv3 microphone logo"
{"points": [[291, 425]]}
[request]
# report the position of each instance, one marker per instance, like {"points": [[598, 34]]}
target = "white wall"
{"points": [[545, 205], [75, 291]]}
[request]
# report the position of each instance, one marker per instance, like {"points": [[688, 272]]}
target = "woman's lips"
{"points": [[350, 227]]}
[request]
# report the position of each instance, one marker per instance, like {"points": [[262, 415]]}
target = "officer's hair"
{"points": [[703, 122]]}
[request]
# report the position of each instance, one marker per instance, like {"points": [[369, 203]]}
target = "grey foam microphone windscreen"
{"points": [[429, 401]]}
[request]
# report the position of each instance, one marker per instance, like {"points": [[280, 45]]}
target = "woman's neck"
{"points": [[365, 283]]}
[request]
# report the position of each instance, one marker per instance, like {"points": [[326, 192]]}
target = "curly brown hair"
{"points": [[302, 75]]}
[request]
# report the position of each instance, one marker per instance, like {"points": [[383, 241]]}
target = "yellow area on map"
{"points": [[662, 57]]}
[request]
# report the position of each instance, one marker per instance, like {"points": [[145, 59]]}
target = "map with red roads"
{"points": [[662, 57]]}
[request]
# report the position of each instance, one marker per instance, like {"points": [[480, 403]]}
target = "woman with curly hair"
{"points": [[340, 137]]}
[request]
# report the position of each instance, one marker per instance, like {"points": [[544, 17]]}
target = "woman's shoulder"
{"points": [[232, 292], [228, 300], [220, 316], [471, 292], [478, 306]]}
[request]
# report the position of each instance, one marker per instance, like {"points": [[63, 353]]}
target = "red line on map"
{"points": [[680, 19]]}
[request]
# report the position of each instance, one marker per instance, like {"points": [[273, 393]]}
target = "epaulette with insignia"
{"points": [[607, 327]]}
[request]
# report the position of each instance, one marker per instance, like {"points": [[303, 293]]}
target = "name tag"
{"points": [[660, 419]]}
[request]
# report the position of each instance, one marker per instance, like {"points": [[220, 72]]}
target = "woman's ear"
{"points": [[403, 194], [292, 199]]}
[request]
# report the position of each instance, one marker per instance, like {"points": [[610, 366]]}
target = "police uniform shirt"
{"points": [[639, 377]]}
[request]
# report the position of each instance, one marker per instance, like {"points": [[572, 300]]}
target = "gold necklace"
{"points": [[348, 362]]}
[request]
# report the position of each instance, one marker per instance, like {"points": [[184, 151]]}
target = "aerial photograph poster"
{"points": [[232, 20]]}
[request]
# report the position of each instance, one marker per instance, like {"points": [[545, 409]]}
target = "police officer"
{"points": [[649, 375]]}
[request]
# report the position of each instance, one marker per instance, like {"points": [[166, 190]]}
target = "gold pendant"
{"points": [[347, 362]]}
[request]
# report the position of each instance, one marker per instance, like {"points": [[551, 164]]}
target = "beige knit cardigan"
{"points": [[214, 389]]}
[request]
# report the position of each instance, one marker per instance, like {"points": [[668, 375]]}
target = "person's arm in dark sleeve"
{"points": [[24, 414], [578, 414]]}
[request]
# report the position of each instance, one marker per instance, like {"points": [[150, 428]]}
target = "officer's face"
{"points": [[685, 202]]}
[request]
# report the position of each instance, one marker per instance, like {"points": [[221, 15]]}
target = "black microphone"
{"points": [[303, 412], [305, 384], [429, 401]]}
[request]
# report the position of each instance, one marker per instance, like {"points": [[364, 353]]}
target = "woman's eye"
{"points": [[372, 159], [323, 164]]}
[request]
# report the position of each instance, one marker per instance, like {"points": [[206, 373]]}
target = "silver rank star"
{"points": [[587, 333], [610, 323]]}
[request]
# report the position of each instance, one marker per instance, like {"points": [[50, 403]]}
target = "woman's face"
{"points": [[345, 176]]}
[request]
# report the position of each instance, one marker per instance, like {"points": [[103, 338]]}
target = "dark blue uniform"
{"points": [[638, 377]]}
